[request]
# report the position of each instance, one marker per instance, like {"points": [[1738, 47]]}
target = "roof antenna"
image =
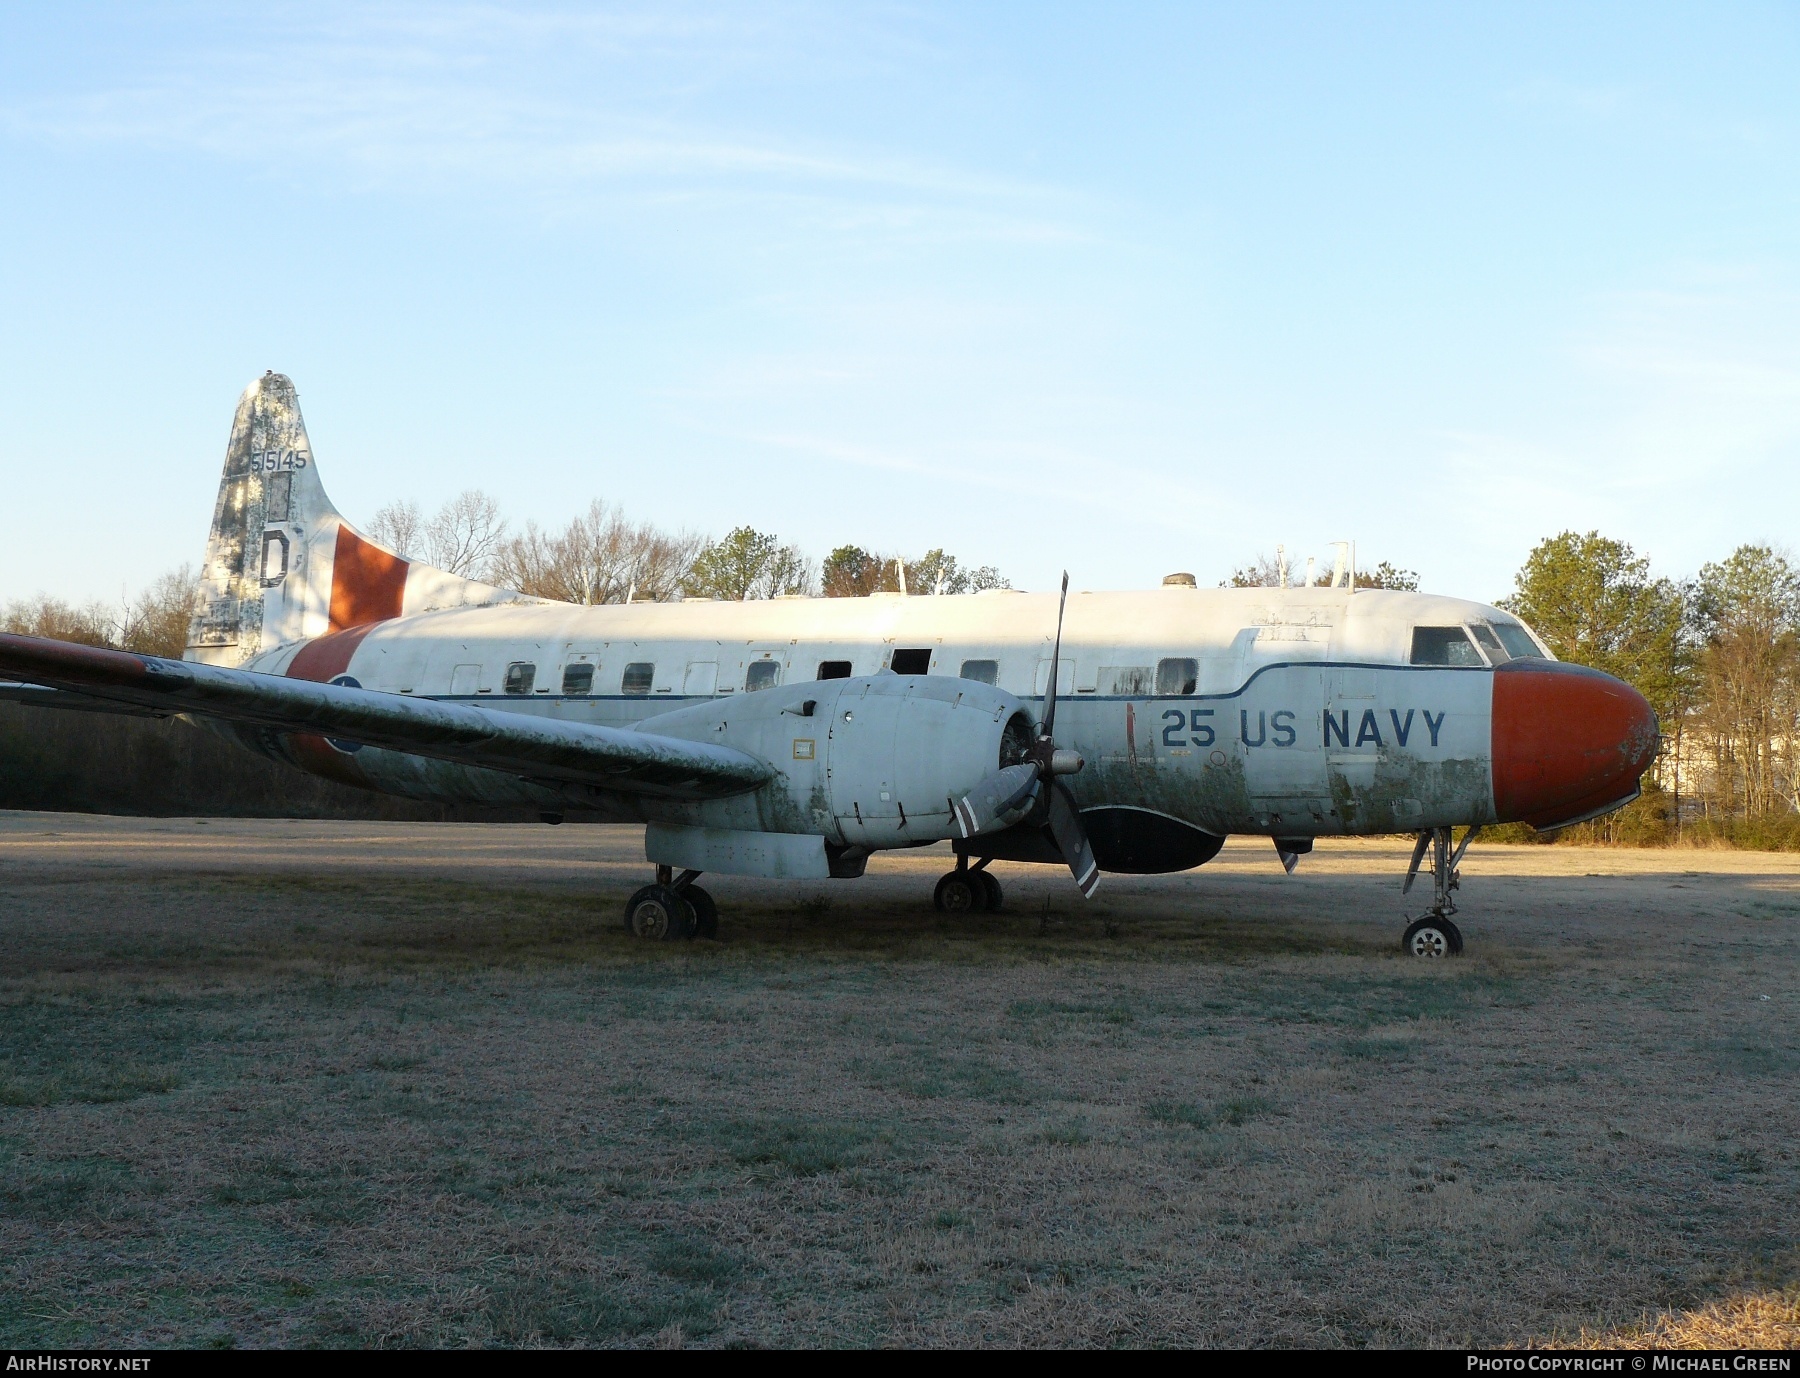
{"points": [[900, 569], [1343, 566], [631, 593], [1281, 566]]}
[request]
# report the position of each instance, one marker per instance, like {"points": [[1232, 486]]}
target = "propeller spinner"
{"points": [[1009, 794]]}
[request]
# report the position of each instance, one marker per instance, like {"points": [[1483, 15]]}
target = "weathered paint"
{"points": [[1568, 742], [1306, 718], [282, 566]]}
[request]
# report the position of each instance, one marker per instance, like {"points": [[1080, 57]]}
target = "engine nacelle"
{"points": [[871, 762]]}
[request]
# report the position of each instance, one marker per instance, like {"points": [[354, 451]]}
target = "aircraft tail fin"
{"points": [[282, 565]]}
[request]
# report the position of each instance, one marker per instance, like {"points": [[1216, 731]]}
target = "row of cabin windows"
{"points": [[1173, 676]]}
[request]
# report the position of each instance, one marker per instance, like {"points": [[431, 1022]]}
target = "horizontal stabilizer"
{"points": [[629, 762]]}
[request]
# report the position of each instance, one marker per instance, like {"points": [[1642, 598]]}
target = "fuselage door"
{"points": [[1065, 676], [702, 678], [765, 669]]}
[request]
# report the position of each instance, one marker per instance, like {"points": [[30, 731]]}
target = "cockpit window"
{"points": [[1517, 641], [1178, 675], [1443, 646], [1485, 638]]}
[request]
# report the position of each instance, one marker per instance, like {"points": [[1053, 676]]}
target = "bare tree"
{"points": [[1747, 614], [400, 528], [465, 535], [600, 557], [52, 618], [156, 623]]}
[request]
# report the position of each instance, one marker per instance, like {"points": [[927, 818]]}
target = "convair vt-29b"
{"points": [[795, 737]]}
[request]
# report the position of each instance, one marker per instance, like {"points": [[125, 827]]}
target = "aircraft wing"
{"points": [[623, 760], [42, 696]]}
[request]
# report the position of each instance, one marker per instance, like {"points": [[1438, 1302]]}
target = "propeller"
{"points": [[1009, 794]]}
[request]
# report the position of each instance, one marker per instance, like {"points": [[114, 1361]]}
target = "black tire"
{"points": [[996, 897], [959, 893], [659, 913], [706, 913], [1432, 937]]}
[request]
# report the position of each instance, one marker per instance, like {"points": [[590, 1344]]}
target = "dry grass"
{"points": [[353, 1084], [1760, 1320]]}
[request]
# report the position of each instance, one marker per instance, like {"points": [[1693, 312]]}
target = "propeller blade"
{"points": [[999, 801], [1289, 859], [1071, 839], [1049, 727]]}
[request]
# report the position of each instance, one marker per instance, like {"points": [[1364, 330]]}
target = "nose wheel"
{"points": [[1432, 936], [1435, 935]]}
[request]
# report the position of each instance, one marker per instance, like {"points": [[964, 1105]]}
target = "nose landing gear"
{"points": [[674, 907], [1435, 935]]}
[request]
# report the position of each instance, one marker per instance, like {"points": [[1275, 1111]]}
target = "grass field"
{"points": [[282, 1083]]}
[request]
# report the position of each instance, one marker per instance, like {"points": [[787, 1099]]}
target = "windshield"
{"points": [[1517, 641], [1485, 638], [1444, 646]]}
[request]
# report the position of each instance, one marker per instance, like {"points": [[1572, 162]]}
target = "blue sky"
{"points": [[1122, 289]]}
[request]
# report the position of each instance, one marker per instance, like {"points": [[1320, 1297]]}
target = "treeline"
{"points": [[1277, 571], [153, 623], [602, 556], [1717, 656]]}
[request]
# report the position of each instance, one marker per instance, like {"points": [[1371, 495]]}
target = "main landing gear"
{"points": [[674, 907], [1435, 935], [969, 890]]}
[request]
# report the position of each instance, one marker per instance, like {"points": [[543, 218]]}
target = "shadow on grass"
{"points": [[225, 923]]}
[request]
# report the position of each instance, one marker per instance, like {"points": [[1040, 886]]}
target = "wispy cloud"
{"points": [[644, 103]]}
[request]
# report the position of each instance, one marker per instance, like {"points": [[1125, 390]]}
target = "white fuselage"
{"points": [[1300, 713]]}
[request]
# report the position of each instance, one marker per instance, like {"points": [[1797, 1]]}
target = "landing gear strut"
{"points": [[1435, 935], [674, 907], [968, 889]]}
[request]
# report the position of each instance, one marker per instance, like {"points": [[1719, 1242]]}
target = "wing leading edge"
{"points": [[629, 762]]}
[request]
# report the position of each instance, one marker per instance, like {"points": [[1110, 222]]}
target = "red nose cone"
{"points": [[1568, 742]]}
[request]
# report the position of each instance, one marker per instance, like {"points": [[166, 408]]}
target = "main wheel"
{"points": [[960, 892], [1432, 936], [706, 913], [996, 897], [660, 913]]}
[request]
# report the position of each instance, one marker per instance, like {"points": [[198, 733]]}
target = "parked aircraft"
{"points": [[795, 737]]}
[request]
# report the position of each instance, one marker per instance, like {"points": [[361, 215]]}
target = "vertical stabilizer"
{"points": [[281, 565]]}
